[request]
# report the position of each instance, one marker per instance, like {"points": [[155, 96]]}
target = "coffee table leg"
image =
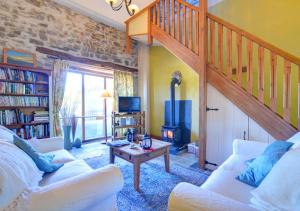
{"points": [[111, 155], [136, 173], [167, 160]]}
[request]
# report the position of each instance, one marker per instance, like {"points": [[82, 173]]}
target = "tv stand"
{"points": [[119, 128]]}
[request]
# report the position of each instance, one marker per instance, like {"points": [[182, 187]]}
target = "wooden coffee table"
{"points": [[139, 155]]}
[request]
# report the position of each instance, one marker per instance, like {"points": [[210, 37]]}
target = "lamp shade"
{"points": [[106, 94]]}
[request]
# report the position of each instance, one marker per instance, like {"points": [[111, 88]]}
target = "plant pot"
{"points": [[67, 137]]}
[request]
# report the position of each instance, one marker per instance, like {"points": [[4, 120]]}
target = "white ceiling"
{"points": [[100, 11]]}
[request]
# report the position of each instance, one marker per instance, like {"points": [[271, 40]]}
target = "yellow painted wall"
{"points": [[275, 21], [162, 65]]}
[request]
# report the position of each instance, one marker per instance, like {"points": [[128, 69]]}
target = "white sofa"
{"points": [[75, 186], [221, 191]]}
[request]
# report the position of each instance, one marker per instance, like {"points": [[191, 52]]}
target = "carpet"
{"points": [[155, 184]]}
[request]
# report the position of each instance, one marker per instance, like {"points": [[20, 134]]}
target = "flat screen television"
{"points": [[129, 104]]}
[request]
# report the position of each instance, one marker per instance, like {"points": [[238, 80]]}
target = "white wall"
{"points": [[227, 124]]}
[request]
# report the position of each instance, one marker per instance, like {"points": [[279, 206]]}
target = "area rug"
{"points": [[155, 184]]}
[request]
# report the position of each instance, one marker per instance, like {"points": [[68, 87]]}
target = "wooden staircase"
{"points": [[213, 48]]}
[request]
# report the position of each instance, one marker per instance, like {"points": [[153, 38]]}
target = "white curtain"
{"points": [[59, 76]]}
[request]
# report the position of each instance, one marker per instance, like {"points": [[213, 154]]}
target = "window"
{"points": [[93, 113]]}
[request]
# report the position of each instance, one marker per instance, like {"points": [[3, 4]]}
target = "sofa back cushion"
{"points": [[17, 173], [6, 134], [43, 162], [258, 169], [280, 190]]}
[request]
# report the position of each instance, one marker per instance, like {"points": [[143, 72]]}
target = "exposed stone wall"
{"points": [[27, 24]]}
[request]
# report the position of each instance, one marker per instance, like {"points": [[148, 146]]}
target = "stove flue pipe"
{"points": [[175, 82]]}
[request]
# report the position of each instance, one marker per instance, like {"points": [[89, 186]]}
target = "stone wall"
{"points": [[27, 24]]}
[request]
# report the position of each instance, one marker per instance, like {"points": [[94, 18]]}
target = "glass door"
{"points": [[93, 113], [94, 107]]}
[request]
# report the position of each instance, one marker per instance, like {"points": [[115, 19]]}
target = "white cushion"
{"points": [[223, 181], [280, 190], [295, 138], [18, 172], [6, 134], [69, 170], [61, 156]]}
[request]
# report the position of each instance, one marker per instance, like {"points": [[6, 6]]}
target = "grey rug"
{"points": [[155, 184]]}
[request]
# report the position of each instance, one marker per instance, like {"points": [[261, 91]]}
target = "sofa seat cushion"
{"points": [[61, 156], [70, 169], [223, 181]]}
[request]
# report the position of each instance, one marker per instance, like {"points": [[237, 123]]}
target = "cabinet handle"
{"points": [[212, 109]]}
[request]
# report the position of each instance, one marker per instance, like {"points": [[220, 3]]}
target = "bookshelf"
{"points": [[119, 127], [24, 100]]}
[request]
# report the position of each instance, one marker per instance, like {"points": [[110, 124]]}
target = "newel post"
{"points": [[203, 34]]}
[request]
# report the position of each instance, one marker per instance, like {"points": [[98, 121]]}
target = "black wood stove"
{"points": [[172, 132]]}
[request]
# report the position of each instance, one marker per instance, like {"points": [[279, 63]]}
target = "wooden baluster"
{"points": [[212, 42], [287, 90], [163, 15], [197, 32], [173, 18], [249, 66], [220, 47], [299, 97], [261, 70], [229, 54], [273, 88], [190, 41], [154, 15], [178, 22], [168, 16], [149, 37], [158, 14], [239, 58], [184, 25]]}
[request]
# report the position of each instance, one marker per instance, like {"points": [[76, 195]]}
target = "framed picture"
{"points": [[19, 57]]}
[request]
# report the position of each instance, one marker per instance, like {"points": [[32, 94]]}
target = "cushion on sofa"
{"points": [[262, 165], [280, 190], [6, 134], [61, 156], [17, 173], [43, 162], [223, 181], [69, 170]]}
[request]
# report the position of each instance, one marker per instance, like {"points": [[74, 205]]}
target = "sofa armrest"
{"points": [[189, 197], [248, 148], [79, 192], [47, 144]]}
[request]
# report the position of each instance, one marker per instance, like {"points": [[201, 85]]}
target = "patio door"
{"points": [[93, 113]]}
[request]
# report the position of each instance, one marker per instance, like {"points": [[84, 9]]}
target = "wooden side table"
{"points": [[139, 155]]}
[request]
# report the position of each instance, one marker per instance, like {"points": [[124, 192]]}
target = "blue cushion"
{"points": [[42, 161], [258, 169]]}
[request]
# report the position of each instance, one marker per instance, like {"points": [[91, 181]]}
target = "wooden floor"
{"points": [[95, 149]]}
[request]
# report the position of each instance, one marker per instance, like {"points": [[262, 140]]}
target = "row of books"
{"points": [[41, 116], [23, 101], [38, 131], [17, 75], [15, 88], [9, 117]]}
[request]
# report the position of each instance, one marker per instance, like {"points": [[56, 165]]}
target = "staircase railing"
{"points": [[243, 57], [178, 19]]}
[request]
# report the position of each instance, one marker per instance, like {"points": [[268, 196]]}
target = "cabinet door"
{"points": [[223, 126]]}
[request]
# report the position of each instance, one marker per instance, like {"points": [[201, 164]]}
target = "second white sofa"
{"points": [[75, 186]]}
